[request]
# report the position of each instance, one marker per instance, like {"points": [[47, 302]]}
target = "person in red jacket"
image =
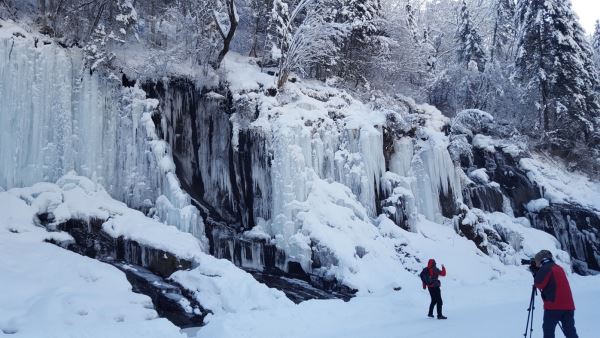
{"points": [[551, 279], [430, 278]]}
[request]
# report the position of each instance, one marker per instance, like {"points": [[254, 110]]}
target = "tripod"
{"points": [[531, 309]]}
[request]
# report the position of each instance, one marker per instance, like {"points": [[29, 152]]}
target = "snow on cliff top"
{"points": [[560, 185], [9, 29], [303, 102]]}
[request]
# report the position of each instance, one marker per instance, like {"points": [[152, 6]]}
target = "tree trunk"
{"points": [[233, 23], [283, 78]]}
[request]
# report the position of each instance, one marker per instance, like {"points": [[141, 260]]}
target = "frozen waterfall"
{"points": [[56, 118]]}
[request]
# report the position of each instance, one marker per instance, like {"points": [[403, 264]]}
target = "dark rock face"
{"points": [[269, 265], [576, 228], [299, 290], [578, 231], [233, 180], [504, 169], [400, 214], [168, 297], [146, 268], [485, 197], [394, 206], [92, 241], [448, 202]]}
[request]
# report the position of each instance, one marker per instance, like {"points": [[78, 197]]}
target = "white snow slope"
{"points": [[48, 291]]}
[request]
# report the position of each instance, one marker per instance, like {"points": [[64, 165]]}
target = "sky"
{"points": [[588, 11]]}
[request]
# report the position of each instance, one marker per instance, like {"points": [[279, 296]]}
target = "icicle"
{"points": [[55, 119]]}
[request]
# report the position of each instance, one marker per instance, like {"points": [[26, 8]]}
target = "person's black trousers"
{"points": [[436, 299], [565, 317]]}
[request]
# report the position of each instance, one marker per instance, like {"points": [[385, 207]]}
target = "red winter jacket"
{"points": [[434, 273], [556, 292]]}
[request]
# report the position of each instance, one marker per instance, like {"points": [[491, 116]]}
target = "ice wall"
{"points": [[221, 166], [426, 165], [56, 118], [353, 157]]}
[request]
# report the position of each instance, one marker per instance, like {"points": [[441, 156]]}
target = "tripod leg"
{"points": [[530, 314], [533, 293]]}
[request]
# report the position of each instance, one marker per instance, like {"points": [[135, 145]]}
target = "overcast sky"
{"points": [[588, 11]]}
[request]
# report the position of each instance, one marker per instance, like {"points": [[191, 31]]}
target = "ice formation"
{"points": [[55, 118]]}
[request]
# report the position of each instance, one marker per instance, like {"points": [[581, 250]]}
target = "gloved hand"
{"points": [[534, 269], [424, 287]]}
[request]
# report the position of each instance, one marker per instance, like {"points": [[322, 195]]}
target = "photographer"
{"points": [[551, 279], [430, 278]]}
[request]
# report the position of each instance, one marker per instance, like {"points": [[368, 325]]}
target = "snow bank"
{"points": [[223, 288], [537, 205], [50, 292], [218, 284], [76, 197]]}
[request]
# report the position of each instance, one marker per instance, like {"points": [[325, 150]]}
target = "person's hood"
{"points": [[431, 263]]}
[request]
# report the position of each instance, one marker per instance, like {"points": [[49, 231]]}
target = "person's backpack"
{"points": [[425, 277]]}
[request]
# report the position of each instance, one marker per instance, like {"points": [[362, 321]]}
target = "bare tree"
{"points": [[234, 20], [305, 41]]}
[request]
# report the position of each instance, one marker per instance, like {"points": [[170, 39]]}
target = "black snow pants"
{"points": [[552, 317], [436, 299]]}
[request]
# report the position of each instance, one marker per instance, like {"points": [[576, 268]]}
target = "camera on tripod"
{"points": [[532, 266]]}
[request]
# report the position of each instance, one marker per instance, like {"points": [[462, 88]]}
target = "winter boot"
{"points": [[430, 315], [442, 317]]}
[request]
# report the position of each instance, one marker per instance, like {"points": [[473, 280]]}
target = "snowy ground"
{"points": [[492, 310]]}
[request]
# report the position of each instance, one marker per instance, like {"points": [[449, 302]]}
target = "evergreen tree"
{"points": [[362, 16], [361, 46], [596, 44], [411, 22], [554, 61], [279, 33], [504, 32], [470, 45]]}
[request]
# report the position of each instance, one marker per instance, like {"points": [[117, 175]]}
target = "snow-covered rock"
{"points": [[218, 284]]}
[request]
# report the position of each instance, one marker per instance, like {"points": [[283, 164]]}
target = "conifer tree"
{"points": [[411, 22], [504, 32], [470, 45], [554, 62], [279, 33], [361, 45], [596, 44]]}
